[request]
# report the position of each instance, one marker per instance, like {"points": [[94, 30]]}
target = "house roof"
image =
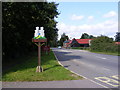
{"points": [[68, 41], [80, 41], [117, 43], [83, 41]]}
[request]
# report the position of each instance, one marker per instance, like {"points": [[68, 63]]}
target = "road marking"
{"points": [[89, 79], [109, 81], [116, 77], [83, 51], [101, 57], [106, 69], [65, 50]]}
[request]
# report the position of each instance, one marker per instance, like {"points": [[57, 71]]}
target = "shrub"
{"points": [[104, 44]]}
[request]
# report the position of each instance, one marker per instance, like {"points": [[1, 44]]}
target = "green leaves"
{"points": [[63, 38], [86, 36], [103, 44], [117, 37], [19, 20]]}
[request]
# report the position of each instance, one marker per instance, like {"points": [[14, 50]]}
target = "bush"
{"points": [[104, 44]]}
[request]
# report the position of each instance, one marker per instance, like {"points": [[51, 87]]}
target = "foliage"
{"points": [[103, 44], [27, 71], [63, 38], [117, 37], [86, 36], [19, 21]]}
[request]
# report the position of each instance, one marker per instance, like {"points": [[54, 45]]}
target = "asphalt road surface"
{"points": [[100, 68]]}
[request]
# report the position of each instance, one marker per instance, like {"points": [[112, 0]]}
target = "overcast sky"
{"points": [[94, 18]]}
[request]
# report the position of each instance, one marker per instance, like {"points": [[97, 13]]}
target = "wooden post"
{"points": [[39, 68], [39, 52]]}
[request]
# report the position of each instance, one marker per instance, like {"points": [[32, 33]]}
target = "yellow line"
{"points": [[116, 77], [108, 81]]}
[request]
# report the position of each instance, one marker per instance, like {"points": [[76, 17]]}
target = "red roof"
{"points": [[80, 41], [83, 41], [117, 43], [70, 41]]}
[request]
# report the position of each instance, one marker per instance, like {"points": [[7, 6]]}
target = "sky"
{"points": [[93, 18]]}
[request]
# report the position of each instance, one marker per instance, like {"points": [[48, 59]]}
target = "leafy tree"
{"points": [[117, 37], [63, 38], [86, 36], [19, 20], [91, 37]]}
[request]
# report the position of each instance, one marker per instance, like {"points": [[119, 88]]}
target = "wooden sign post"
{"points": [[39, 38], [38, 43]]}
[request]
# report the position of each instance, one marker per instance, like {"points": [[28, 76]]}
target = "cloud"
{"points": [[109, 28], [110, 14], [75, 17], [90, 17]]}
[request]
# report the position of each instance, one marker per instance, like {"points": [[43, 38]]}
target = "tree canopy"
{"points": [[63, 38], [117, 37], [19, 20], [86, 36]]}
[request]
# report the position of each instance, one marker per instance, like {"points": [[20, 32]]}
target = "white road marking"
{"points": [[83, 51], [106, 69], [65, 50], [104, 58], [101, 57]]}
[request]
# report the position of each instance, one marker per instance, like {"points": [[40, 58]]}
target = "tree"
{"points": [[63, 38], [86, 36], [91, 37], [117, 37], [100, 43], [19, 20]]}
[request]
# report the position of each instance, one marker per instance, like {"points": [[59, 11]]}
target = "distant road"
{"points": [[103, 69]]}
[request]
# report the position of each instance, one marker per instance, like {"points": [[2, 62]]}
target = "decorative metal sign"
{"points": [[39, 34]]}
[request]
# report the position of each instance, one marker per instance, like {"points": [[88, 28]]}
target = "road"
{"points": [[99, 68]]}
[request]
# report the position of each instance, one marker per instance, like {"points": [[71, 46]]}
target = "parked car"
{"points": [[59, 47]]}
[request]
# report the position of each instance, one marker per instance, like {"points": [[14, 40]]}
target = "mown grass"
{"points": [[26, 71]]}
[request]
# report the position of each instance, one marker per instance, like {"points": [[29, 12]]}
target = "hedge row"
{"points": [[106, 47]]}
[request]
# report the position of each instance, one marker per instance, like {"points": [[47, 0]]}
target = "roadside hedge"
{"points": [[104, 44]]}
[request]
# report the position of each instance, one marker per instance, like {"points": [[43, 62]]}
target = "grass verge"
{"points": [[26, 71], [107, 53], [88, 49]]}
